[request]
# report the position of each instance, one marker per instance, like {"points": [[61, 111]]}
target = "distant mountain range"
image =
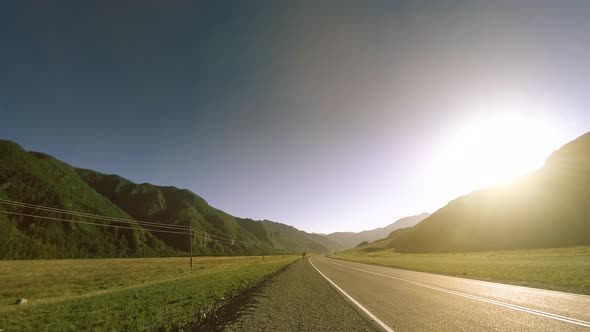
{"points": [[544, 209], [349, 240], [39, 179]]}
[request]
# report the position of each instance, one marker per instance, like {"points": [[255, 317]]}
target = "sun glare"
{"points": [[492, 151]]}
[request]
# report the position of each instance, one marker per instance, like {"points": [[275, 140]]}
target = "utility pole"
{"points": [[190, 242]]}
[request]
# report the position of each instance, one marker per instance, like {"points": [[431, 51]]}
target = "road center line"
{"points": [[365, 310], [474, 297]]}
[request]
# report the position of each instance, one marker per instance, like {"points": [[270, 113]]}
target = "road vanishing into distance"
{"points": [[401, 300]]}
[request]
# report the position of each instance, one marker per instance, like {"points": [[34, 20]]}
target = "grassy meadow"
{"points": [[130, 294], [561, 269]]}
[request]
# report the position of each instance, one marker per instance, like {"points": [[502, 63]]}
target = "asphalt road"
{"points": [[297, 299], [415, 301]]}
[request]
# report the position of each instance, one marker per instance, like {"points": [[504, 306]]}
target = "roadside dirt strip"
{"points": [[299, 299]]}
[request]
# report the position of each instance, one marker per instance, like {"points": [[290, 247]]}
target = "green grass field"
{"points": [[123, 294], [562, 269]]}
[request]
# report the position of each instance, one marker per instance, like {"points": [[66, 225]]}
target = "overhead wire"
{"points": [[174, 229], [89, 223], [90, 215], [199, 232]]}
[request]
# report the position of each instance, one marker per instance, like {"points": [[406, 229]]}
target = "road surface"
{"points": [[404, 300], [296, 299]]}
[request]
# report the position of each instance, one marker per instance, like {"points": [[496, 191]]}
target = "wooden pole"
{"points": [[190, 243]]}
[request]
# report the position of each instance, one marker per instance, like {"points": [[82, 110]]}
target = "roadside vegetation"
{"points": [[561, 269], [123, 294]]}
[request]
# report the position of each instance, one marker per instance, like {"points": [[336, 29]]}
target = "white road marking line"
{"points": [[373, 317], [478, 298]]}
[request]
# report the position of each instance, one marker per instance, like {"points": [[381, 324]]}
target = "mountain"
{"points": [[349, 240], [544, 209], [301, 239], [181, 207], [39, 179]]}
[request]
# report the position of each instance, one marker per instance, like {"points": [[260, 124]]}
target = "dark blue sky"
{"points": [[321, 114]]}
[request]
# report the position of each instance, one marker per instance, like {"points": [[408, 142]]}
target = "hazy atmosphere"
{"points": [[295, 165], [327, 116]]}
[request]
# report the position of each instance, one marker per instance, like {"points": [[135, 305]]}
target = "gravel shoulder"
{"points": [[298, 299]]}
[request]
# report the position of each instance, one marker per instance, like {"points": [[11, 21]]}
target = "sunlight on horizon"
{"points": [[493, 150]]}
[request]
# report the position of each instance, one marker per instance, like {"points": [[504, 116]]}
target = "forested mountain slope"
{"points": [[39, 179], [547, 208]]}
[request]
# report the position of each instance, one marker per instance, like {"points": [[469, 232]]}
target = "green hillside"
{"points": [[39, 179], [547, 208], [175, 206], [291, 236]]}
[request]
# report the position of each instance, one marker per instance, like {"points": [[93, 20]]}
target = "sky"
{"points": [[325, 115]]}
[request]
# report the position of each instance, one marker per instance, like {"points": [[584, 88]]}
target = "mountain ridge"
{"points": [[38, 178], [351, 239], [546, 208]]}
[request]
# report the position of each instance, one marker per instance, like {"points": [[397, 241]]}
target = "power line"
{"points": [[206, 235], [89, 215], [221, 237], [89, 223], [177, 229], [233, 241], [229, 241], [84, 214]]}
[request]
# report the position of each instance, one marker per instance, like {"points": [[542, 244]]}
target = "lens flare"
{"points": [[492, 151]]}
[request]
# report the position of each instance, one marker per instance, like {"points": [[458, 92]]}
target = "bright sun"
{"points": [[493, 150]]}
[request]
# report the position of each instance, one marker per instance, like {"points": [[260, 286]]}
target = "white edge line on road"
{"points": [[360, 306], [478, 298]]}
